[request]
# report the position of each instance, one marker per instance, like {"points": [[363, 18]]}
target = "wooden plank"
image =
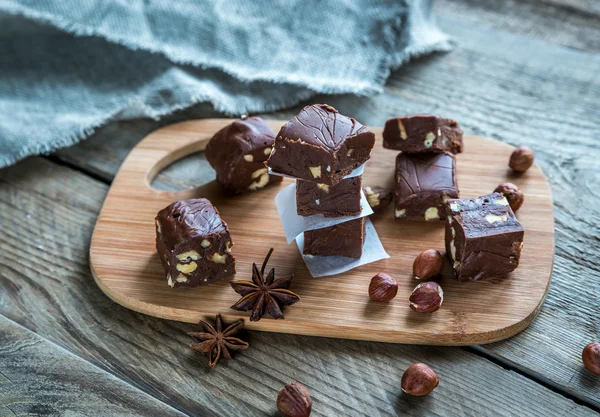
{"points": [[40, 378], [130, 273], [571, 23], [55, 297], [517, 90]]}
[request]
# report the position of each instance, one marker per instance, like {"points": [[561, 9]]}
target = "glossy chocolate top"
{"points": [[482, 216], [418, 173], [321, 125], [187, 219]]}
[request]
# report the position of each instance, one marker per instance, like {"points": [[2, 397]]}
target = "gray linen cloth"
{"points": [[70, 66]]}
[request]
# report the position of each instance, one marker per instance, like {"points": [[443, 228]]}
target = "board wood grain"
{"points": [[126, 267], [57, 299]]}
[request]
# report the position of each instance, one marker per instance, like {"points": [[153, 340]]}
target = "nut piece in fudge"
{"points": [[238, 153], [321, 145], [342, 199], [483, 237], [193, 243], [379, 198], [343, 239], [422, 133], [424, 182]]}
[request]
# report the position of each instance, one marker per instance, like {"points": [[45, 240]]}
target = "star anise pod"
{"points": [[262, 294], [216, 341]]}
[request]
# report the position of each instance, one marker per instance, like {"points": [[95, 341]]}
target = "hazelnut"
{"points": [[419, 379], [428, 264], [591, 357], [294, 400], [521, 159], [427, 297], [513, 194], [382, 287]]}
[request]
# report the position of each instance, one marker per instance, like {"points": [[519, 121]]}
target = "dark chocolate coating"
{"points": [[423, 183], [342, 199], [321, 145], [238, 153], [193, 243], [483, 237], [344, 239], [423, 133], [379, 198]]}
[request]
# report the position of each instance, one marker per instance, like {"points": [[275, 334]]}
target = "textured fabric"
{"points": [[69, 66]]}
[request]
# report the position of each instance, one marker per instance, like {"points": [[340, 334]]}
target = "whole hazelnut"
{"points": [[419, 379], [294, 400], [591, 357], [513, 194], [428, 264], [521, 159], [427, 297], [382, 287]]}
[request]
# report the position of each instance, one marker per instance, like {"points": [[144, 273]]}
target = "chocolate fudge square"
{"points": [[342, 199], [321, 145], [238, 153], [344, 239], [193, 243], [424, 182], [422, 133], [483, 237]]}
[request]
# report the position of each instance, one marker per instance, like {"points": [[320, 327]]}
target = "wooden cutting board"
{"points": [[126, 267]]}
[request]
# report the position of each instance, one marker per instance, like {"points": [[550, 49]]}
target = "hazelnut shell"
{"points": [[419, 379], [383, 288], [513, 194], [428, 264], [294, 401], [591, 357], [521, 159], [427, 297]]}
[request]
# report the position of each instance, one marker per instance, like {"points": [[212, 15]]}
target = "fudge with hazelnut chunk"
{"points": [[423, 184], [321, 145], [193, 243], [483, 237], [342, 199], [238, 153], [422, 133]]}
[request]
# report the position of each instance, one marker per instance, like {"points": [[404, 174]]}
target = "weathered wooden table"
{"points": [[524, 72]]}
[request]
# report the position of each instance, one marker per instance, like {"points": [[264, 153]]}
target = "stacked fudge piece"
{"points": [[426, 167], [319, 147]]}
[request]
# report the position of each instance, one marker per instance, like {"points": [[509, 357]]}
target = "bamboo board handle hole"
{"points": [[182, 170]]}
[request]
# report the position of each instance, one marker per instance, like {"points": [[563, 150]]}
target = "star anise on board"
{"points": [[262, 294], [216, 341]]}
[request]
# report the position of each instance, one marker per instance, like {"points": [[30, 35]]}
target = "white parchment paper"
{"points": [[321, 266], [357, 171], [294, 225]]}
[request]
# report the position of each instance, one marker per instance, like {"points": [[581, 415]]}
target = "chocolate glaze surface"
{"points": [[423, 183], [238, 152], [193, 243], [321, 145], [483, 237], [342, 199], [344, 239], [423, 133], [322, 125]]}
